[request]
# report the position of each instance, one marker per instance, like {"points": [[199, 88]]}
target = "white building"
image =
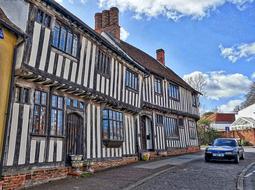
{"points": [[245, 118]]}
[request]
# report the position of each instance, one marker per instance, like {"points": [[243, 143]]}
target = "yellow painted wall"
{"points": [[6, 60]]}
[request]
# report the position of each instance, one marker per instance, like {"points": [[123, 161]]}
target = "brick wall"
{"points": [[33, 177], [174, 152], [247, 135], [98, 166]]}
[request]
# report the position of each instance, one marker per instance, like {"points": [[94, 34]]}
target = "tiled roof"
{"points": [[221, 117], [152, 64]]}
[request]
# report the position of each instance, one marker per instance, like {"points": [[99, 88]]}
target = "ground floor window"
{"points": [[171, 127], [57, 115], [192, 129], [112, 125], [40, 113]]}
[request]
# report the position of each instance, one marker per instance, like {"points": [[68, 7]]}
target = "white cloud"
{"points": [[230, 106], [222, 85], [173, 9], [123, 34], [72, 1], [253, 75], [242, 51], [59, 1]]}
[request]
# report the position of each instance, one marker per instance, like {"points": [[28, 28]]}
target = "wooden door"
{"points": [[143, 134], [74, 134]]}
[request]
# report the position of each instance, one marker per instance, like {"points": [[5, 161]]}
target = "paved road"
{"points": [[199, 175], [249, 179], [188, 172]]}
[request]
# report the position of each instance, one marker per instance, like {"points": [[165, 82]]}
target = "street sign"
{"points": [[1, 33], [227, 129]]}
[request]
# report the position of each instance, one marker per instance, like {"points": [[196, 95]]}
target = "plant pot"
{"points": [[76, 157], [146, 156], [77, 164]]}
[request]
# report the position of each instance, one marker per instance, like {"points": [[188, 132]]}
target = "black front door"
{"points": [[74, 142], [146, 134]]}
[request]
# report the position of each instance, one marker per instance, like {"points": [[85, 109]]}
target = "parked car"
{"points": [[224, 149]]}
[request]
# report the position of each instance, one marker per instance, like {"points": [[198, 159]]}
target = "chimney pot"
{"points": [[161, 56], [108, 21]]}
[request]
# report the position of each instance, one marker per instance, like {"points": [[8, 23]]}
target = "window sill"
{"points": [[174, 99], [57, 50], [37, 135], [131, 89], [113, 143]]}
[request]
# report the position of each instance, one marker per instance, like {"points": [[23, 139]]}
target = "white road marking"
{"points": [[249, 174]]}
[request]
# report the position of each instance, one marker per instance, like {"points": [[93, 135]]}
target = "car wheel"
{"points": [[207, 159], [242, 157], [237, 159]]}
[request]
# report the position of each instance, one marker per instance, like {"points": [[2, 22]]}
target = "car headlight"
{"points": [[229, 153]]}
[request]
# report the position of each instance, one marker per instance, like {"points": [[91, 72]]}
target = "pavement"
{"points": [[186, 172], [249, 179]]}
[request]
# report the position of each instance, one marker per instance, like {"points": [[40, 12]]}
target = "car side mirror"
{"points": [[210, 144]]}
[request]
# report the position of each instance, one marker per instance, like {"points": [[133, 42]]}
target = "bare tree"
{"points": [[197, 81], [249, 98]]}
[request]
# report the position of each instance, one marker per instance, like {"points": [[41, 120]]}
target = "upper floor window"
{"points": [[172, 130], [43, 18], [22, 95], [103, 63], [158, 86], [113, 125], [194, 100], [40, 113], [159, 119], [174, 91], [131, 80], [57, 115], [73, 103], [65, 40]]}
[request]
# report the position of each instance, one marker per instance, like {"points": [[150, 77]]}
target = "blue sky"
{"points": [[212, 38]]}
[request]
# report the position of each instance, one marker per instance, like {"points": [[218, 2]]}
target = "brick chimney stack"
{"points": [[108, 21], [161, 56]]}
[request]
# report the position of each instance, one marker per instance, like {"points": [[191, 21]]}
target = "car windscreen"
{"points": [[225, 142]]}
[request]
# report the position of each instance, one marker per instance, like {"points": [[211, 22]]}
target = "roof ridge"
{"points": [[160, 64]]}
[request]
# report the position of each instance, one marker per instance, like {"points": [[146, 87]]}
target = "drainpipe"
{"points": [[9, 107]]}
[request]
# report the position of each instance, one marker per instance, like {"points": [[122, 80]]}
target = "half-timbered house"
{"points": [[79, 91]]}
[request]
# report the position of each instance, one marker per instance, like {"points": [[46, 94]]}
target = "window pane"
{"points": [[105, 114], [37, 97], [111, 130], [43, 120], [75, 44], [105, 129], [18, 94], [26, 96], [53, 122], [47, 21], [36, 120], [56, 32], [54, 101], [60, 102], [68, 102], [60, 123], [69, 42], [39, 17], [62, 42], [75, 103], [81, 105]]}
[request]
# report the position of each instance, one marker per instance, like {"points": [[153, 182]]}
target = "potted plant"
{"points": [[145, 156]]}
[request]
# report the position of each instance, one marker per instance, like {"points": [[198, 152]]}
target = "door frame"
{"points": [[143, 128], [81, 116]]}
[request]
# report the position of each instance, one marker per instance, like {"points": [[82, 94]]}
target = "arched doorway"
{"points": [[74, 135], [146, 134]]}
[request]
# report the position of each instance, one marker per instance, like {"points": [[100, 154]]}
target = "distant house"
{"points": [[245, 118], [221, 121]]}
